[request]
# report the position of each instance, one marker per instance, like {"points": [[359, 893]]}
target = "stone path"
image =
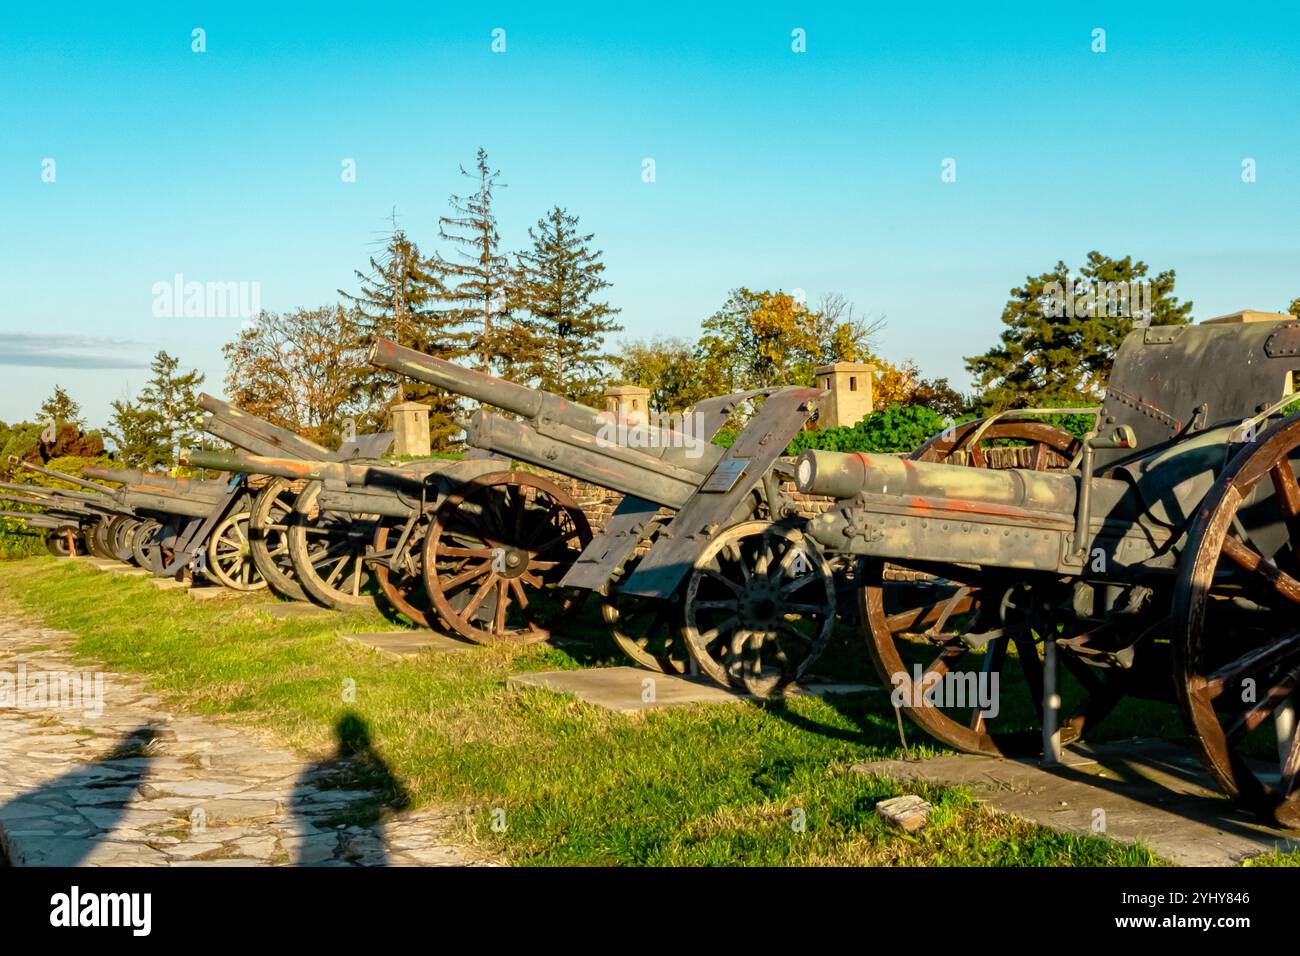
{"points": [[137, 786], [1149, 791]]}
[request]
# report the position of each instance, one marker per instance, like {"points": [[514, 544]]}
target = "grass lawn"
{"points": [[578, 785]]}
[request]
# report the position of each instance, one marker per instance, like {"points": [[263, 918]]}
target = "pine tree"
{"points": [[139, 436], [559, 346], [1058, 350], [60, 409], [478, 274]]}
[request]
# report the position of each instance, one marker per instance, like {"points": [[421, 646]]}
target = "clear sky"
{"points": [[817, 170]]}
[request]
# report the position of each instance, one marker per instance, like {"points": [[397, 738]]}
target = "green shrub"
{"points": [[898, 428]]}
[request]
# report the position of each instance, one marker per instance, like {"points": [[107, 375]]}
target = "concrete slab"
{"points": [[168, 584], [129, 570], [409, 643], [292, 610], [215, 592], [625, 689], [1153, 792], [104, 564]]}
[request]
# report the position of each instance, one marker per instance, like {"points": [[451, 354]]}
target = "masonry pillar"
{"points": [[630, 402], [411, 424], [850, 399]]}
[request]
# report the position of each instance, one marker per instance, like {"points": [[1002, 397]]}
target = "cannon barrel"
{"points": [[156, 479], [845, 475], [546, 409], [350, 473], [51, 473], [257, 434], [578, 455], [35, 519], [51, 505], [139, 498]]}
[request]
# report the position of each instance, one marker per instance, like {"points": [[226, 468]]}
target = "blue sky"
{"points": [[816, 170]]}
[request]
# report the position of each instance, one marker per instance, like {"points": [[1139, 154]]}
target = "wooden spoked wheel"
{"points": [[268, 537], [495, 553], [759, 607], [400, 571], [229, 557], [1053, 448], [967, 665], [328, 550], [1236, 626], [648, 630]]}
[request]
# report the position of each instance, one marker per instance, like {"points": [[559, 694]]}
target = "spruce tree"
{"points": [[395, 300], [477, 275], [560, 343]]}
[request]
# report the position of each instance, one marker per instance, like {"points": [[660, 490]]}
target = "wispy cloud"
{"points": [[69, 351]]}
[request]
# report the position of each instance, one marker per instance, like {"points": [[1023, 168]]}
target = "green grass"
{"points": [[577, 784]]}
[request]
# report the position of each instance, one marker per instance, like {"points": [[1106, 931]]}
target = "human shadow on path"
{"points": [[60, 822], [342, 802]]}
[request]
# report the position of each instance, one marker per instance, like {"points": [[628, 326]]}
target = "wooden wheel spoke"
{"points": [[478, 596], [1260, 658], [503, 601], [1252, 561], [455, 581], [721, 578], [1262, 709]]}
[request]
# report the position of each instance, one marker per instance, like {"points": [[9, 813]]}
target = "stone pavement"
{"points": [[1150, 791], [138, 786]]}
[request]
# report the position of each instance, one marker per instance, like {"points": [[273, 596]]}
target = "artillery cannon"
{"points": [[727, 501], [326, 537], [391, 507], [735, 528], [1166, 564]]}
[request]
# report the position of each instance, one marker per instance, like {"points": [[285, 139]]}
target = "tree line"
{"points": [[540, 316]]}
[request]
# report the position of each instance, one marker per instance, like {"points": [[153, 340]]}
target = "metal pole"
{"points": [[1051, 706]]}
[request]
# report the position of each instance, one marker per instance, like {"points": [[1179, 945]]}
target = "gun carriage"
{"points": [[303, 552], [390, 507], [1166, 565], [705, 563]]}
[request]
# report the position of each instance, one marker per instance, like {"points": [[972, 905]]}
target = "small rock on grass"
{"points": [[908, 813]]}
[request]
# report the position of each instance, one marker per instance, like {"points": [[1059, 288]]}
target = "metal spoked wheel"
{"points": [[759, 607], [328, 551], [230, 559], [399, 571], [144, 550], [98, 539], [495, 553], [1235, 632], [122, 532], [647, 630], [966, 662], [268, 537]]}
